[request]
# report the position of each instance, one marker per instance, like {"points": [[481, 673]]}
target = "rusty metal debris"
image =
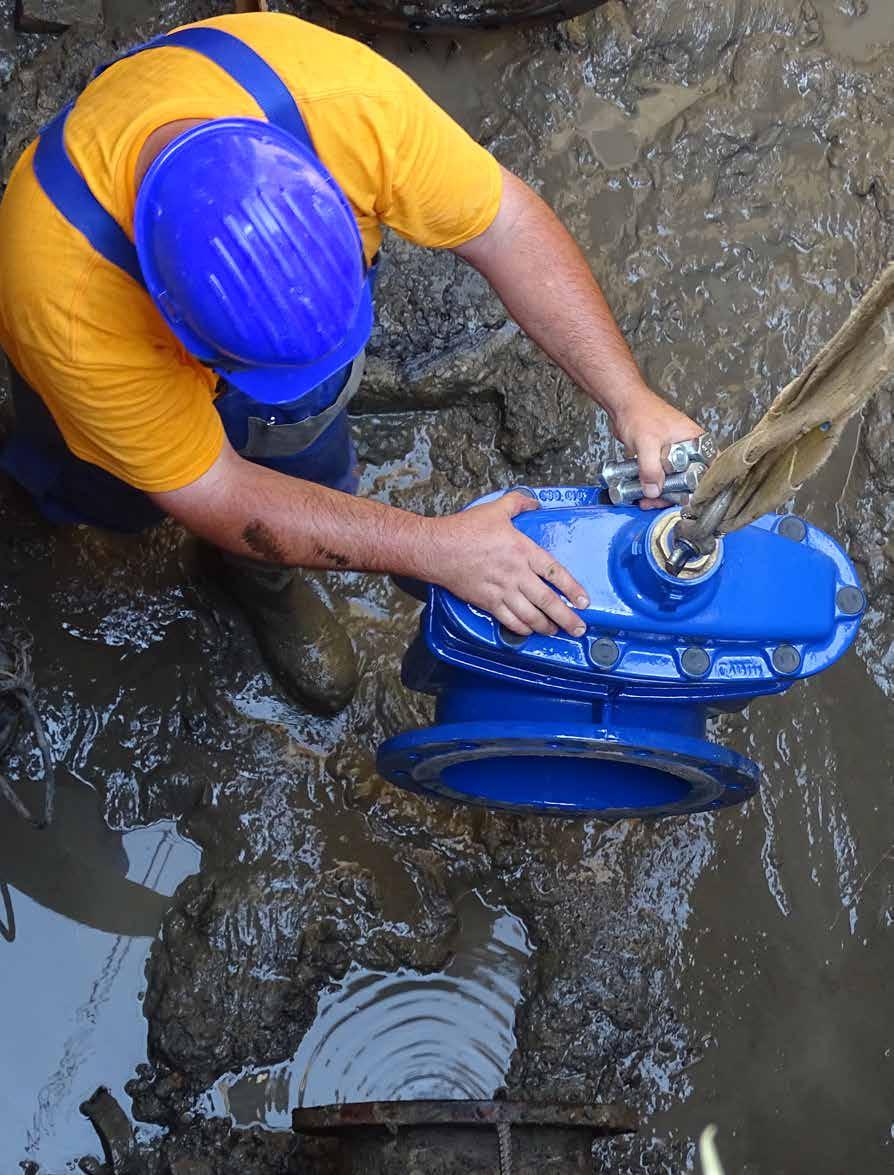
{"points": [[391, 1116], [115, 1133], [479, 1137]]}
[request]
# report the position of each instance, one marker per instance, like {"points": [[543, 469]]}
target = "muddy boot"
{"points": [[305, 647]]}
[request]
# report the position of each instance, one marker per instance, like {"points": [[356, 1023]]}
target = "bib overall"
{"points": [[309, 438]]}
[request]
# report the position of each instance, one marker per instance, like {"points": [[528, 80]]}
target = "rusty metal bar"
{"points": [[391, 1116]]}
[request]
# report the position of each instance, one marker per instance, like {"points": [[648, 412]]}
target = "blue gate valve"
{"points": [[613, 724]]}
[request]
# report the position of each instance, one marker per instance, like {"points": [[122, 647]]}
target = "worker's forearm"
{"points": [[543, 278], [254, 511], [477, 554]]}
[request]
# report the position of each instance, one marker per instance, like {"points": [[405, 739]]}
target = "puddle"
{"points": [[856, 28], [403, 1036], [615, 137], [86, 904]]}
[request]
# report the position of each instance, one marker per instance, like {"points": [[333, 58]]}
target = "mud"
{"points": [[727, 166]]}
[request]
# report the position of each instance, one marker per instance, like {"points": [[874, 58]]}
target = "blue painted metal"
{"points": [[541, 724]]}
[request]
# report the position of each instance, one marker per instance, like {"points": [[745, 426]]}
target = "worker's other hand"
{"points": [[644, 426], [480, 556]]}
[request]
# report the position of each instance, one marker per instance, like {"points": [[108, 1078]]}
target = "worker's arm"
{"points": [[546, 285], [477, 554]]}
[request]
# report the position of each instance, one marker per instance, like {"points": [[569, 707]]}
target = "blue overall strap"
{"points": [[68, 190], [250, 71], [247, 68]]}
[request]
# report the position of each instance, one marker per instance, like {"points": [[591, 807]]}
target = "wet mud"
{"points": [[726, 166]]}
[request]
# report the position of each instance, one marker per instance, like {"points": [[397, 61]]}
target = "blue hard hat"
{"points": [[253, 256]]}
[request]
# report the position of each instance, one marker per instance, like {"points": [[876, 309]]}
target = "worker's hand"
{"points": [[480, 556], [644, 426]]}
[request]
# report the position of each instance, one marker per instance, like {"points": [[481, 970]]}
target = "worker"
{"points": [[188, 255]]}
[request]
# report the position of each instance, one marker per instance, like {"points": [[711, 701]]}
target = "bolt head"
{"points": [[513, 639], [604, 652], [792, 527], [850, 600], [706, 447], [616, 493], [695, 661], [786, 659], [679, 456], [692, 476]]}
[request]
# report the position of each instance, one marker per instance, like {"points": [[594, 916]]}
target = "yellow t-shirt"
{"points": [[124, 393]]}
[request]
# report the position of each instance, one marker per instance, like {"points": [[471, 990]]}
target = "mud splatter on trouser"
{"points": [[67, 489]]}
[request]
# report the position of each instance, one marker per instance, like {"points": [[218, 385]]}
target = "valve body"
{"points": [[613, 724]]}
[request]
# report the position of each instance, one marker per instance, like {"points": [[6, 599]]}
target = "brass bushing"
{"points": [[661, 545]]}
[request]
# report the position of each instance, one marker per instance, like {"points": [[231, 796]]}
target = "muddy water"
{"points": [[86, 904], [398, 1036], [726, 166]]}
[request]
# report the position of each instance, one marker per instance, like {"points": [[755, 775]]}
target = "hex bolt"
{"points": [[514, 640], [604, 652], [619, 470], [850, 600], [786, 659], [703, 448], [624, 493], [674, 458], [679, 457], [792, 527], [695, 661]]}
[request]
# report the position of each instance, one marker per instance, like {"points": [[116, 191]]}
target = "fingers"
{"points": [[529, 614], [651, 473], [553, 572], [551, 605], [504, 614], [525, 585], [516, 502], [535, 607]]}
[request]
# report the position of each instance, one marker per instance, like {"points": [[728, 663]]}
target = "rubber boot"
{"points": [[305, 647]]}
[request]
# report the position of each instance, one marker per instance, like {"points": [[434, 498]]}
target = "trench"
{"points": [[726, 166]]}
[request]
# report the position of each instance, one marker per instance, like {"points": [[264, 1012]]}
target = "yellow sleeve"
{"points": [[440, 187], [133, 401]]}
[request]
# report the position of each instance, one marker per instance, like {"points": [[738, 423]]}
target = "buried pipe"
{"points": [[467, 1137]]}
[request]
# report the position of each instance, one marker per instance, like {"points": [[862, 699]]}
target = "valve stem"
{"points": [[682, 554]]}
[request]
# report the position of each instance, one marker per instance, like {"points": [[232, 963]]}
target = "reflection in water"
{"points": [[86, 903], [390, 1037], [78, 867]]}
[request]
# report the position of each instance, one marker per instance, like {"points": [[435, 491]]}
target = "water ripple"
{"points": [[404, 1035]]}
